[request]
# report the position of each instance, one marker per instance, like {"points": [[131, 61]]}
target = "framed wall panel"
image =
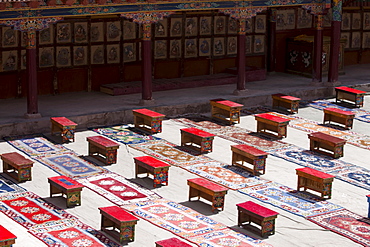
{"points": [[347, 37], [80, 55], [191, 26], [249, 25], [219, 26], [63, 32], [129, 52], [205, 25], [129, 30], [285, 19], [176, 27], [161, 28], [46, 57], [160, 49], [113, 31], [219, 46], [175, 48], [346, 21], [356, 21], [366, 21], [232, 26], [260, 22], [205, 47], [80, 32], [63, 56], [97, 54], [9, 60], [24, 39], [366, 40], [248, 44], [356, 40], [259, 44], [190, 48], [232, 45], [9, 37], [46, 36], [23, 59], [97, 32], [304, 19], [113, 53]]}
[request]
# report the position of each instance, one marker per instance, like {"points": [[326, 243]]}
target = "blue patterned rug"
{"points": [[70, 165], [360, 114], [299, 203], [6, 186], [124, 135]]}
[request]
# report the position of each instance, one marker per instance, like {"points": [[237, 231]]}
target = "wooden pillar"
{"points": [[146, 55], [240, 82], [334, 52], [317, 50], [271, 41], [31, 70]]}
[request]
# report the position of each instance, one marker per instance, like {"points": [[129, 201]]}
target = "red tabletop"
{"points": [[118, 213], [149, 113], [314, 172], [66, 182], [103, 141], [64, 121], [272, 117], [351, 90], [5, 234], [332, 109], [17, 158], [249, 149], [198, 132], [153, 162], [208, 184], [172, 242], [327, 137], [284, 96], [227, 103], [257, 209]]}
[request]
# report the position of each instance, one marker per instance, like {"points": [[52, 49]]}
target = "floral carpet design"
{"points": [[117, 189], [299, 203], [346, 223], [6, 186], [35, 146]]}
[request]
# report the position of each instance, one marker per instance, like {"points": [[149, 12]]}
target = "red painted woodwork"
{"points": [[32, 100], [5, 234], [334, 51], [149, 113], [146, 70], [153, 162], [284, 96], [249, 149], [227, 103], [339, 111], [197, 67], [172, 242], [99, 76], [257, 209], [272, 117], [64, 121], [329, 138], [103, 141], [271, 42], [240, 84], [315, 173], [351, 90], [74, 80], [66, 182], [17, 158], [198, 132], [208, 184], [317, 56], [118, 213]]}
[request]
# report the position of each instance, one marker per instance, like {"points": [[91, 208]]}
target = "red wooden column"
{"points": [[271, 41], [31, 70], [317, 50], [240, 82], [146, 73]]}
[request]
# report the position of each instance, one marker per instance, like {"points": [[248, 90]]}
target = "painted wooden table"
{"points": [[67, 187], [171, 242], [244, 153], [251, 212], [309, 178], [114, 217], [226, 110], [339, 116], [150, 165], [319, 140], [289, 102], [148, 120], [350, 94], [208, 190], [103, 149], [17, 166], [268, 122], [65, 126], [7, 239], [202, 139]]}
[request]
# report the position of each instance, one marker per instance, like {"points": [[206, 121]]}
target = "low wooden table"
{"points": [[68, 187], [252, 212], [338, 116], [250, 155], [17, 166], [103, 149], [289, 102], [350, 94], [150, 165], [320, 140], [148, 120], [208, 190], [171, 242], [65, 126], [117, 218], [226, 110], [309, 178], [202, 139], [273, 123], [7, 239]]}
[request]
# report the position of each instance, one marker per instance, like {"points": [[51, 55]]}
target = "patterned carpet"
{"points": [[299, 203], [226, 175], [170, 153], [7, 186], [117, 189], [35, 146], [204, 123], [346, 223], [70, 165], [124, 135], [174, 217]]}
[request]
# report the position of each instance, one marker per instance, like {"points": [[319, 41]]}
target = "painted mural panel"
{"points": [[205, 47], [80, 55], [80, 32], [63, 56], [175, 48], [64, 32], [46, 57]]}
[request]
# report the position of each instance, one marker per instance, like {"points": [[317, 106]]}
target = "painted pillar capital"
{"points": [[31, 39], [319, 22], [242, 26]]}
